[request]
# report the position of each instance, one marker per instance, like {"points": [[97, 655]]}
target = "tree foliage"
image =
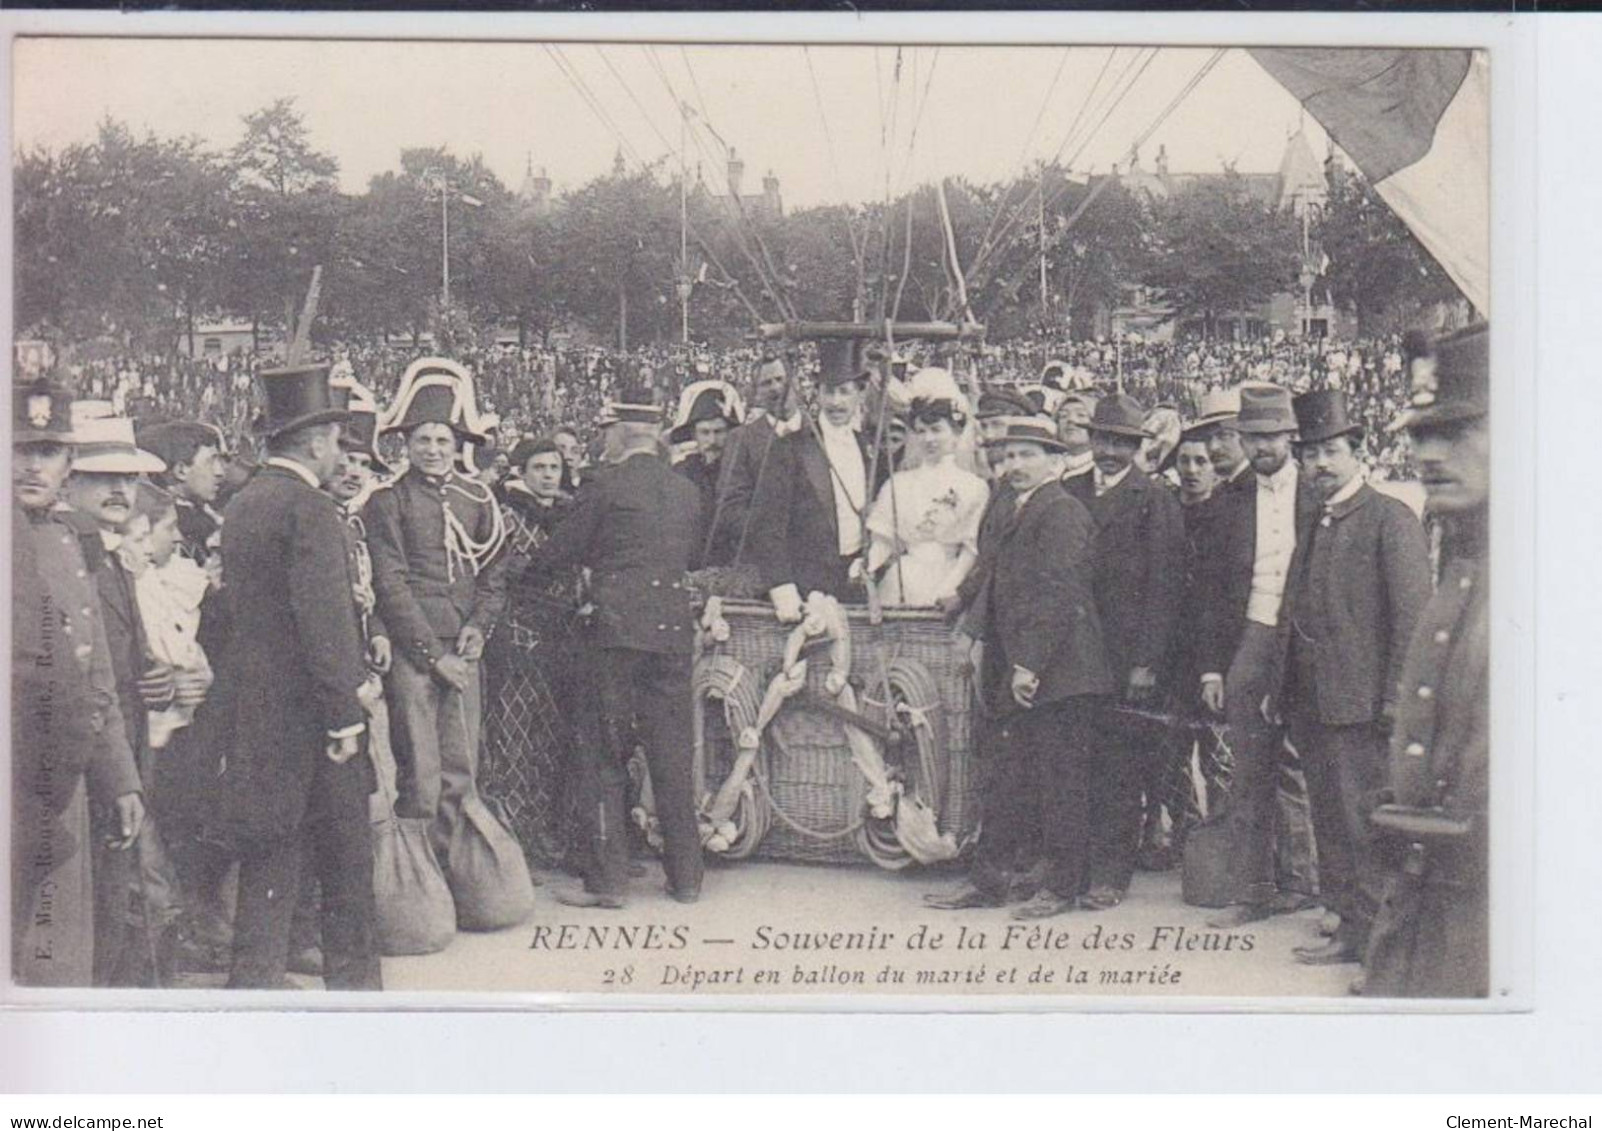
{"points": [[134, 238], [1219, 249]]}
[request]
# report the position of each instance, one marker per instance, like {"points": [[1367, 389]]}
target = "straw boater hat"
{"points": [[105, 446], [632, 405], [41, 414], [1217, 407], [297, 396], [705, 400], [435, 390]]}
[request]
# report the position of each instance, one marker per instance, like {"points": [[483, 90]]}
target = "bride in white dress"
{"points": [[925, 522]]}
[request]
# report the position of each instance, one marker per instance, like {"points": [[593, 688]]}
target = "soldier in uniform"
{"points": [[67, 738], [634, 529], [707, 411], [1431, 934], [436, 538]]}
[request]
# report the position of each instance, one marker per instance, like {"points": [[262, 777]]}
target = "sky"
{"points": [[831, 122]]}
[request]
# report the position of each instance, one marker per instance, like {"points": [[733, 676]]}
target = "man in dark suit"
{"points": [[806, 515], [1359, 579], [1431, 933], [105, 471], [634, 529], [745, 456], [294, 790], [1045, 674], [1242, 637], [1138, 578]]}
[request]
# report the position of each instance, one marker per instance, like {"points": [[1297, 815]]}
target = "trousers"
{"points": [[334, 844], [1253, 677], [434, 735], [1037, 795], [651, 692], [1345, 767], [1120, 765]]}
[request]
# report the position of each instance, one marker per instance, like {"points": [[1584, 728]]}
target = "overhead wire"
{"points": [[834, 161]]}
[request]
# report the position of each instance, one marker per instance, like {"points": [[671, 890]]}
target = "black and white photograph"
{"points": [[661, 523]]}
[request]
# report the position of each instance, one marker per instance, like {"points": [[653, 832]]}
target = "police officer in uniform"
{"points": [[635, 528], [1430, 936], [67, 737]]}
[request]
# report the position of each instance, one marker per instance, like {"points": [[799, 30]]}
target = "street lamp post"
{"points": [[436, 181]]}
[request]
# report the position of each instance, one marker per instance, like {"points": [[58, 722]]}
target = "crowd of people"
{"points": [[267, 695], [532, 390]]}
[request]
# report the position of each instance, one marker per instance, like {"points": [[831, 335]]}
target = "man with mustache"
{"points": [[1138, 580], [1044, 673], [1241, 638], [1358, 581], [1430, 935], [105, 475], [67, 738]]}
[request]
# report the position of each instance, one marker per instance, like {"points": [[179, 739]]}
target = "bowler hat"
{"points": [[1119, 415], [1457, 386], [1322, 416], [41, 413], [1003, 402], [298, 396], [1265, 410], [840, 362], [1033, 430]]}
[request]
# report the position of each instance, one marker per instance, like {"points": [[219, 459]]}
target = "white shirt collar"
{"points": [[1107, 483], [1282, 480], [299, 469], [1347, 491]]}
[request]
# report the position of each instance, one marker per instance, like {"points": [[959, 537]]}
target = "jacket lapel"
{"points": [[816, 466]]}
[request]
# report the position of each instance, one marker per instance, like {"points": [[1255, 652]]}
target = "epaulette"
{"points": [[471, 488]]}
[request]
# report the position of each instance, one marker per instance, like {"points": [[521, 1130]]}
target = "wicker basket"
{"points": [[806, 768]]}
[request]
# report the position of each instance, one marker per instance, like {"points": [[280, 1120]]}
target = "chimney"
{"points": [[736, 171], [770, 193], [1162, 160]]}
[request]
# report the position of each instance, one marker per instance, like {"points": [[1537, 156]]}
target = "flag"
{"points": [[1417, 123]]}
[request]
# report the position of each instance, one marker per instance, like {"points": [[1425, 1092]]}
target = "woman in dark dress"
{"points": [[530, 689]]}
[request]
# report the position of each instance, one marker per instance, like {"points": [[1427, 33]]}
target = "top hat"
{"points": [[106, 446], [841, 361], [298, 396], [1003, 402], [41, 413], [704, 400], [1265, 410], [1034, 430], [1453, 384], [435, 390], [1120, 415], [1322, 416]]}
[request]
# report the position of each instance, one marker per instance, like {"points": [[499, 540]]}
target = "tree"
{"points": [[1221, 250], [1376, 265], [287, 213]]}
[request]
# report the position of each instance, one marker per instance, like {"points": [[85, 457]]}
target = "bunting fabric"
{"points": [[1417, 123]]}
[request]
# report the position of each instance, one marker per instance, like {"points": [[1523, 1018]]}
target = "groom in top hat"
{"points": [[1358, 581], [806, 515], [289, 699]]}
